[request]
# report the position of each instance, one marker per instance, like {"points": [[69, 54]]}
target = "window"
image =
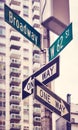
{"points": [[0, 113], [26, 70], [0, 94], [73, 120], [15, 38], [2, 49], [36, 8], [36, 17], [2, 31], [3, 104], [35, 1], [26, 11], [37, 128], [1, 5], [2, 76], [26, 58], [0, 103], [26, 2], [26, 51], [37, 110], [2, 58], [1, 16], [3, 95]]}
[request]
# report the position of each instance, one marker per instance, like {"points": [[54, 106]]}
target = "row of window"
{"points": [[1, 5], [16, 116]]}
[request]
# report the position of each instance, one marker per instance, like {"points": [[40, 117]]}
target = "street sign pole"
{"points": [[50, 100]]}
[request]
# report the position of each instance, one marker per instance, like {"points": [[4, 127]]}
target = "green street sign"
{"points": [[22, 26], [61, 42]]}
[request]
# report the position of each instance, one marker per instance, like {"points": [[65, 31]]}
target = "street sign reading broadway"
{"points": [[51, 100], [45, 75], [61, 42], [22, 26]]}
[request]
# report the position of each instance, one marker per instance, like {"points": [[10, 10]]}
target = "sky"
{"points": [[67, 82]]}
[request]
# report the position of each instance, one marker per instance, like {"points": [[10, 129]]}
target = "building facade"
{"points": [[2, 68], [19, 58], [61, 124]]}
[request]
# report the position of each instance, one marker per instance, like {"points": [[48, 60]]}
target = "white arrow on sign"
{"points": [[42, 77], [63, 109], [29, 86], [45, 75]]}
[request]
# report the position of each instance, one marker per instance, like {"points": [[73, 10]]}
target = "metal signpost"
{"points": [[51, 100], [46, 74], [60, 43], [22, 26]]}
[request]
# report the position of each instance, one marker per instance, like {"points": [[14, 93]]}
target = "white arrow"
{"points": [[29, 86], [63, 109]]}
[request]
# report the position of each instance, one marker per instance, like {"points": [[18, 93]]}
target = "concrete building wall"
{"points": [[16, 61], [61, 124]]}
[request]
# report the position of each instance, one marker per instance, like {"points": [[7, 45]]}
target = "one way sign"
{"points": [[45, 75], [51, 100]]}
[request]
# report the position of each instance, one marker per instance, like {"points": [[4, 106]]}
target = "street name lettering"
{"points": [[61, 42], [22, 26]]}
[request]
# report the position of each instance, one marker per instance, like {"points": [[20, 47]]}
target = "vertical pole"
{"points": [[69, 102], [46, 114]]}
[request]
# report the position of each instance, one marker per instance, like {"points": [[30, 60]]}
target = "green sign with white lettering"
{"points": [[22, 26], [61, 42]]}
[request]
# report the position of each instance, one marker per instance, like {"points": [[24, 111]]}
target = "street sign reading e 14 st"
{"points": [[45, 75], [22, 26], [50, 100], [61, 42]]}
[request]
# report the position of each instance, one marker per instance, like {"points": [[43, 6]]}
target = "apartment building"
{"points": [[19, 58], [2, 68]]}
